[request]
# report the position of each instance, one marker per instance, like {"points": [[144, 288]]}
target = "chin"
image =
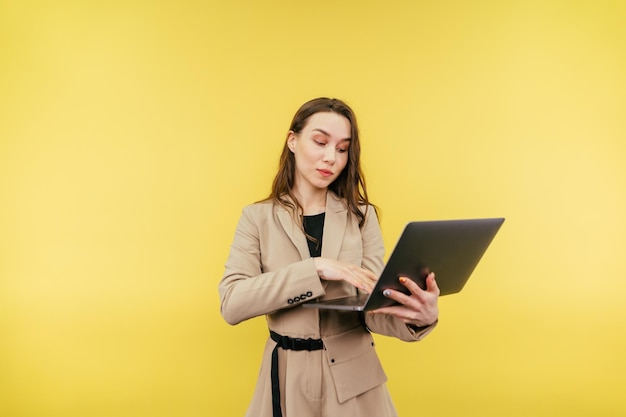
{"points": [[322, 185]]}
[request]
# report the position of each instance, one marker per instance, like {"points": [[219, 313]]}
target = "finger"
{"points": [[372, 278], [410, 285], [366, 286], [368, 278], [370, 284], [431, 284], [369, 275], [397, 296], [363, 279]]}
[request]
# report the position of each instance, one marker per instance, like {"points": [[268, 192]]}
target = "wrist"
{"points": [[418, 329]]}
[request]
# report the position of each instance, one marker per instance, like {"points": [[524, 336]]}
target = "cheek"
{"points": [[306, 157], [342, 160]]}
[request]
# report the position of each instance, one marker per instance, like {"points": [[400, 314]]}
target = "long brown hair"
{"points": [[349, 185]]}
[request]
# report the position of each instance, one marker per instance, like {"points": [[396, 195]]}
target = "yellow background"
{"points": [[133, 132]]}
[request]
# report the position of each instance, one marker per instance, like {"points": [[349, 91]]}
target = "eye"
{"points": [[319, 140], [342, 150]]}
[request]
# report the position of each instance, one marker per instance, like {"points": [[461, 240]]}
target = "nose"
{"points": [[329, 154]]}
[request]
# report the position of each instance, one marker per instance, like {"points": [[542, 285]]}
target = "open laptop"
{"points": [[449, 248]]}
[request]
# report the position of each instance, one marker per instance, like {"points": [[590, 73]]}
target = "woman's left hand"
{"points": [[419, 308]]}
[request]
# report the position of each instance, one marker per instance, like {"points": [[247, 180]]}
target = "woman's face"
{"points": [[320, 150]]}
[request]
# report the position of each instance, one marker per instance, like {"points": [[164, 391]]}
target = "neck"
{"points": [[312, 202]]}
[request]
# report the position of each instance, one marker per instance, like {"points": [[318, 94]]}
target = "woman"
{"points": [[317, 236]]}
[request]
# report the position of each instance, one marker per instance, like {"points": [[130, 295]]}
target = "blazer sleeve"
{"points": [[373, 251], [246, 291]]}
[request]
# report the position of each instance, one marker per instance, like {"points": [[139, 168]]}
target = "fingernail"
{"points": [[402, 280], [386, 293]]}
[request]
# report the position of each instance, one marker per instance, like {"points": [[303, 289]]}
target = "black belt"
{"points": [[287, 343]]}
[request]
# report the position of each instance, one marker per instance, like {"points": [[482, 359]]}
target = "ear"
{"points": [[291, 141]]}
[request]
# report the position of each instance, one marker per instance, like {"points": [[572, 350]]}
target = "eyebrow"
{"points": [[323, 132]]}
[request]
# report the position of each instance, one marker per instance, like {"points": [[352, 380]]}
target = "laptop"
{"points": [[449, 248]]}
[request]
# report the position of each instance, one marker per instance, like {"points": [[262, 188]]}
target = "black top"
{"points": [[314, 227]]}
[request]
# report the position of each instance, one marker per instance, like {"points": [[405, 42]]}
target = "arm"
{"points": [[418, 311], [381, 323], [247, 291]]}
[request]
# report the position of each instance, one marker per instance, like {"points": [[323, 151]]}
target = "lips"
{"points": [[325, 172]]}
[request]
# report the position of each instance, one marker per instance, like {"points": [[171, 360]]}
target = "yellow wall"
{"points": [[132, 133]]}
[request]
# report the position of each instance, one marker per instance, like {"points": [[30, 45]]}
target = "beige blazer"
{"points": [[269, 272]]}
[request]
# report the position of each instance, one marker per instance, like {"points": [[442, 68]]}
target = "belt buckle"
{"points": [[296, 343]]}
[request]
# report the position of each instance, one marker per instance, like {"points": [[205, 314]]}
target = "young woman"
{"points": [[317, 236]]}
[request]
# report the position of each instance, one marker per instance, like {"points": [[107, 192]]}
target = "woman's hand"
{"points": [[419, 308], [332, 270]]}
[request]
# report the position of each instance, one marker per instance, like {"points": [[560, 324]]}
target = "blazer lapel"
{"points": [[334, 226], [294, 232], [335, 222]]}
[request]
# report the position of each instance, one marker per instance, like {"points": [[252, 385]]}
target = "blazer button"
{"points": [[290, 301], [309, 294], [303, 296]]}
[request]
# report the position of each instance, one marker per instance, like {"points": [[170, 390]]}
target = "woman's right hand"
{"points": [[333, 270]]}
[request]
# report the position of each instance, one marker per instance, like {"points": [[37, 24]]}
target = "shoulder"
{"points": [[369, 211], [339, 204], [255, 218], [260, 207], [263, 212]]}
